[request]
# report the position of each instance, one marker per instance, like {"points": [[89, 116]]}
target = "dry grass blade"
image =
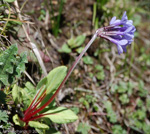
{"points": [[35, 50]]}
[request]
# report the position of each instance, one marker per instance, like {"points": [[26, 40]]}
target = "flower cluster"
{"points": [[119, 32]]}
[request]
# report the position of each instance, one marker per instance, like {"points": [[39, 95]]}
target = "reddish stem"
{"points": [[38, 102], [65, 79], [35, 106], [36, 117], [32, 102]]}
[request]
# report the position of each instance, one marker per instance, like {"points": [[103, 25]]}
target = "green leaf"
{"points": [[16, 94], [142, 91], [117, 129], [29, 85], [11, 65], [38, 125], [61, 115], [87, 60], [52, 131], [139, 102], [54, 79], [47, 131], [17, 121], [76, 42], [3, 116], [83, 128], [9, 0], [6, 63], [84, 102], [79, 41], [100, 75], [79, 50], [122, 87], [21, 64], [131, 85], [110, 113], [28, 94], [50, 83], [75, 110], [139, 114], [11, 133], [65, 49], [71, 42], [124, 99], [146, 128], [138, 124], [41, 84]]}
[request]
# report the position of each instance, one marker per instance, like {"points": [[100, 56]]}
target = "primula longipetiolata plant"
{"points": [[119, 32]]}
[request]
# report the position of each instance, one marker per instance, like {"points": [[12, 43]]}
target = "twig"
{"points": [[94, 128], [39, 35], [83, 90], [29, 77], [66, 128], [97, 113], [35, 50], [47, 19], [5, 38], [22, 21], [23, 5], [52, 42]]}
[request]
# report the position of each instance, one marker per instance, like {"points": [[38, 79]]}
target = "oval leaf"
{"points": [[54, 79], [17, 121], [37, 124], [61, 115], [16, 94], [87, 60], [80, 40], [65, 49]]}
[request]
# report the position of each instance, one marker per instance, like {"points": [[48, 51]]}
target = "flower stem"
{"points": [[67, 76], [32, 103]]}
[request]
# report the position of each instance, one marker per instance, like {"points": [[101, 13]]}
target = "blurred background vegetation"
{"points": [[109, 92]]}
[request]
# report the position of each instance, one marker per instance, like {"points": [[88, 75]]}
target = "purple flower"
{"points": [[120, 32]]}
